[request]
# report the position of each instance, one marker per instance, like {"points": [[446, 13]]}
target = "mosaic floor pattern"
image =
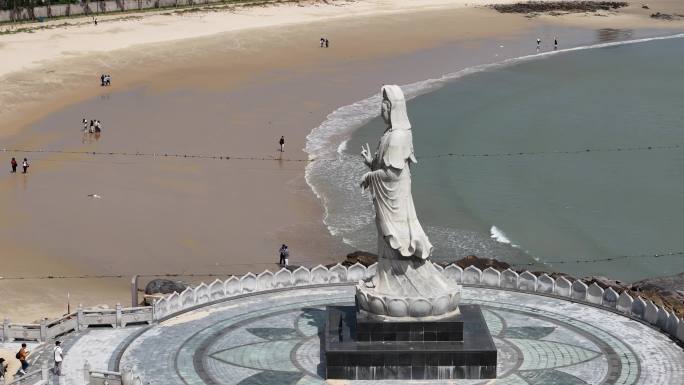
{"points": [[273, 339]]}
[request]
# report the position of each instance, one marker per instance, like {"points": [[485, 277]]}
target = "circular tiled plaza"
{"points": [[273, 338]]}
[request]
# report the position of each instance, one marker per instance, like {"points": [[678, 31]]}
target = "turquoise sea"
{"points": [[545, 209]]}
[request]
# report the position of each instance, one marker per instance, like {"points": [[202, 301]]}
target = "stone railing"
{"points": [[579, 291], [638, 308], [111, 6], [250, 282], [35, 377], [104, 377], [79, 320]]}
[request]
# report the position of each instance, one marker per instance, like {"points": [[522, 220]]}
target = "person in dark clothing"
{"points": [[327, 43], [282, 144], [284, 255], [14, 165], [3, 368], [102, 80]]}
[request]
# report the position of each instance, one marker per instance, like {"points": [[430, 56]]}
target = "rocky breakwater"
{"points": [[534, 8], [667, 292]]}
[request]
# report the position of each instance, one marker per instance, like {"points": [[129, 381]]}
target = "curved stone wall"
{"points": [[638, 308]]}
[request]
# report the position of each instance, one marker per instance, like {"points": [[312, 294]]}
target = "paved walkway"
{"points": [[273, 339]]}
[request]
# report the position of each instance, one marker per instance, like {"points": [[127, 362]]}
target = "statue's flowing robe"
{"points": [[403, 246]]}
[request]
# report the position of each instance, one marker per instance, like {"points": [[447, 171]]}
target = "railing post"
{"points": [[6, 330], [118, 315], [44, 371], [134, 291], [80, 320], [127, 376], [86, 372], [43, 330]]}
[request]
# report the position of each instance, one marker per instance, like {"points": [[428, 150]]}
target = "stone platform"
{"points": [[364, 348], [273, 338]]}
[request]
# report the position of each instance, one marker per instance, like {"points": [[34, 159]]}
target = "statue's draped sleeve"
{"points": [[390, 185]]}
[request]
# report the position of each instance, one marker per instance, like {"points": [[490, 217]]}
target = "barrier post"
{"points": [[80, 321], [44, 371], [134, 291], [86, 372], [6, 330], [43, 330], [118, 315]]}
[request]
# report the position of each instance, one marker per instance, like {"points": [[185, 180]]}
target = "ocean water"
{"points": [[546, 209]]}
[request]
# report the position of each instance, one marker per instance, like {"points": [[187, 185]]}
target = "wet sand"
{"points": [[231, 94]]}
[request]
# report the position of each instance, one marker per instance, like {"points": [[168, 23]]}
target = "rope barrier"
{"points": [[606, 259], [148, 275], [226, 274], [280, 159]]}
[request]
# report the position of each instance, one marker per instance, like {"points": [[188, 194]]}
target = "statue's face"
{"points": [[385, 111]]}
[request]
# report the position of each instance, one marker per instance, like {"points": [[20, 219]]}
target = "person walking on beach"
{"points": [[327, 43], [85, 125], [102, 80], [284, 255], [282, 144], [58, 356], [555, 43], [538, 43], [25, 165], [14, 164], [322, 42], [22, 356]]}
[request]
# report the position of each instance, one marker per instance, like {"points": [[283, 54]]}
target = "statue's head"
{"points": [[394, 108]]}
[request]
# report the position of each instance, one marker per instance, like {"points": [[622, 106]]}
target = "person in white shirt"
{"points": [[59, 357]]}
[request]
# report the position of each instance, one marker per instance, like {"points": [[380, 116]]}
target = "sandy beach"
{"points": [[222, 83]]}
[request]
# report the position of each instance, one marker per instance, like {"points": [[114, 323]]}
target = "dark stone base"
{"points": [[371, 329], [365, 349]]}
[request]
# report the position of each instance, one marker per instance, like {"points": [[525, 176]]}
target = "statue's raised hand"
{"points": [[365, 180], [366, 153]]}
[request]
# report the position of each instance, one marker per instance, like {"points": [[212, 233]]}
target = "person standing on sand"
{"points": [[102, 80], [25, 165], [555, 43], [282, 144], [327, 43], [322, 42], [284, 255], [58, 356], [14, 164], [538, 43]]}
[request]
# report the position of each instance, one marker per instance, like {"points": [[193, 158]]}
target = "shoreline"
{"points": [[324, 142], [299, 91]]}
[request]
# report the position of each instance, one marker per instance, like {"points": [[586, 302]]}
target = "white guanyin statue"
{"points": [[406, 284]]}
